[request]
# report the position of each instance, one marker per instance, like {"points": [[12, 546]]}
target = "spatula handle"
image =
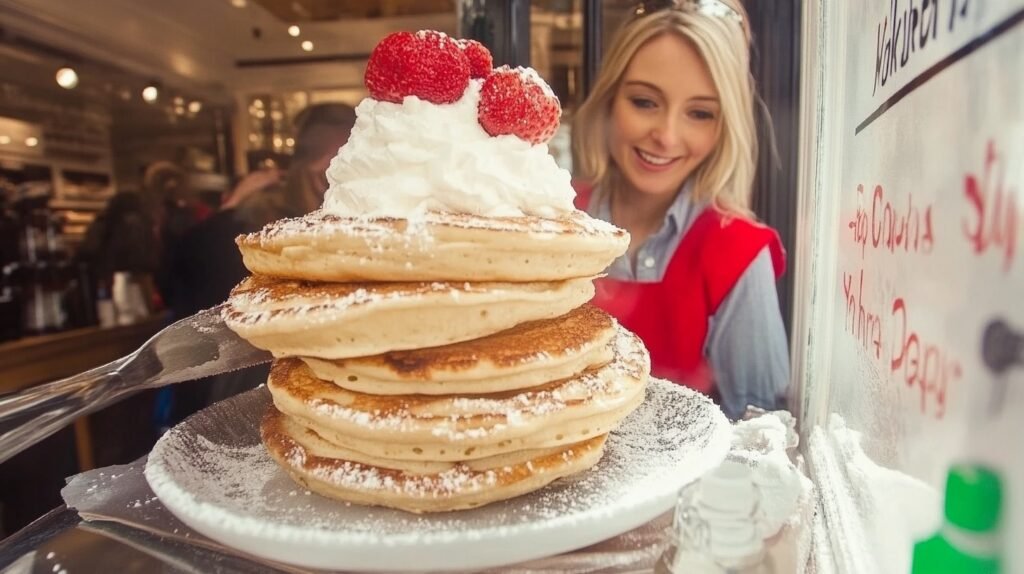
{"points": [[30, 415]]}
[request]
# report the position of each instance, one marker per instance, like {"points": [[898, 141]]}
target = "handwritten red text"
{"points": [[995, 224], [861, 321], [892, 227], [907, 353], [922, 364]]}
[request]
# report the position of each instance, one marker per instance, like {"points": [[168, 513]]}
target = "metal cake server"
{"points": [[192, 348]]}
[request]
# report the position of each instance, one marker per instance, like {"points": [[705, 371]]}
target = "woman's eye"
{"points": [[642, 103], [702, 115]]}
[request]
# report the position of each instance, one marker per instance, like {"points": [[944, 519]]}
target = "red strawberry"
{"points": [[518, 102], [480, 60], [427, 64]]}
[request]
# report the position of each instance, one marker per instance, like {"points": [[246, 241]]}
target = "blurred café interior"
{"points": [[116, 110]]}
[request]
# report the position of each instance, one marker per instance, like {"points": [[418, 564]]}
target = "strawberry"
{"points": [[427, 64], [480, 60], [519, 102]]}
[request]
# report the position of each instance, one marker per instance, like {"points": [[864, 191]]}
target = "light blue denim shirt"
{"points": [[746, 342]]}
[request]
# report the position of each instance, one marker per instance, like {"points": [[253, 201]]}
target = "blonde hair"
{"points": [[726, 177]]}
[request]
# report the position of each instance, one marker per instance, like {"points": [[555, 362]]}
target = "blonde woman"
{"points": [[665, 147]]}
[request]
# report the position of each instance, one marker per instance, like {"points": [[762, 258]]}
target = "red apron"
{"points": [[672, 316]]}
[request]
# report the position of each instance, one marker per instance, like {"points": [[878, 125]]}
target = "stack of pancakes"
{"points": [[436, 364]]}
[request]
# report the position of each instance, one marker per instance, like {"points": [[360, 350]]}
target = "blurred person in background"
{"points": [[665, 147], [123, 237], [208, 264], [137, 232], [177, 208]]}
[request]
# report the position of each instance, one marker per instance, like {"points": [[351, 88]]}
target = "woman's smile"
{"points": [[654, 162]]}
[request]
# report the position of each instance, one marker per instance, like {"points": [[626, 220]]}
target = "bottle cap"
{"points": [[974, 497], [730, 489]]}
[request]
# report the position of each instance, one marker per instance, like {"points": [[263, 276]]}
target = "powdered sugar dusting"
{"points": [[416, 234], [256, 303], [457, 480], [213, 473], [437, 35], [531, 76]]}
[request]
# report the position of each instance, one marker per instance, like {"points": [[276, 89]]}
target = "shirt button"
{"points": [[649, 262]]}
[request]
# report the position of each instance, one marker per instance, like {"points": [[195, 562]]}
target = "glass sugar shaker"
{"points": [[714, 528]]}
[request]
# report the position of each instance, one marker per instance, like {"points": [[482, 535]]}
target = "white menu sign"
{"points": [[910, 323]]}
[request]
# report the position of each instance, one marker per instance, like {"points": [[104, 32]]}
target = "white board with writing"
{"points": [[910, 262]]}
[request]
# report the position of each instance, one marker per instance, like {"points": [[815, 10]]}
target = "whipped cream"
{"points": [[403, 160]]}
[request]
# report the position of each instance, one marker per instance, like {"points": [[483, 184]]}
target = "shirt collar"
{"points": [[678, 217], [678, 214]]}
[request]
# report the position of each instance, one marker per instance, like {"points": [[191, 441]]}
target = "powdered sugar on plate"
{"points": [[212, 473]]}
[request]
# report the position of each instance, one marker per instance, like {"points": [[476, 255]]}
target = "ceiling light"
{"points": [[4, 140], [195, 106], [289, 142], [31, 141], [179, 101], [294, 31], [307, 46], [67, 78], [238, 3], [150, 93]]}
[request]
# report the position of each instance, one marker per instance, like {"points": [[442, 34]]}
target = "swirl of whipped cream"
{"points": [[403, 160]]}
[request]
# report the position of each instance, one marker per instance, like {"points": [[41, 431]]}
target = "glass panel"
{"points": [[556, 52]]}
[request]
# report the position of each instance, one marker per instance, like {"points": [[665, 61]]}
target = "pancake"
{"points": [[313, 463], [321, 445], [440, 247], [524, 356], [403, 455], [343, 320], [457, 427]]}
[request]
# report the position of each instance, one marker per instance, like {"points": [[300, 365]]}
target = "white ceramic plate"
{"points": [[212, 472]]}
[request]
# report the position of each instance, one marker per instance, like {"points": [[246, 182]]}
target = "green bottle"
{"points": [[969, 540]]}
